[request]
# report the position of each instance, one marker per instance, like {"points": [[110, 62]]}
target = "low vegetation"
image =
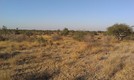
{"points": [[66, 55]]}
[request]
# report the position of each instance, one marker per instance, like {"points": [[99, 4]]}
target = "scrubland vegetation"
{"points": [[67, 54]]}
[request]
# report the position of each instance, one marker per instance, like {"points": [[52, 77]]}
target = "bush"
{"points": [[41, 40], [89, 38], [119, 31], [130, 37], [18, 38], [65, 32], [56, 37], [79, 35], [28, 33]]}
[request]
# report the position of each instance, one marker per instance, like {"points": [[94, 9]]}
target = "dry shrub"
{"points": [[17, 38], [79, 36], [89, 38], [13, 37], [56, 37], [41, 40]]}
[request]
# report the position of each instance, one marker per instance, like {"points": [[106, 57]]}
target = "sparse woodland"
{"points": [[67, 54]]}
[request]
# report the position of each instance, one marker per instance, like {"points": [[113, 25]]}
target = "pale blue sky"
{"points": [[73, 14]]}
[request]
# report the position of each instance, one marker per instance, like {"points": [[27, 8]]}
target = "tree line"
{"points": [[120, 31]]}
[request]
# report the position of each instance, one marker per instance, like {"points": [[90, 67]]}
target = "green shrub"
{"points": [[65, 32], [120, 31]]}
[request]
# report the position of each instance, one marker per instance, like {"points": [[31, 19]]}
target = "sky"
{"points": [[72, 14]]}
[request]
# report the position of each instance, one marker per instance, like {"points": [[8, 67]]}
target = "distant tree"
{"points": [[65, 32], [119, 31], [17, 28]]}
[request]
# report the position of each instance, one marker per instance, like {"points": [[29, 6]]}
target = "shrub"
{"points": [[130, 37], [56, 37], [89, 38], [65, 32], [119, 31], [18, 38], [29, 33], [79, 36], [41, 40]]}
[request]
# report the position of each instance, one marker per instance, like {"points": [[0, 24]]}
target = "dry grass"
{"points": [[98, 58]]}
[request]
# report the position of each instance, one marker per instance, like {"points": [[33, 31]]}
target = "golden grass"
{"points": [[68, 59]]}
